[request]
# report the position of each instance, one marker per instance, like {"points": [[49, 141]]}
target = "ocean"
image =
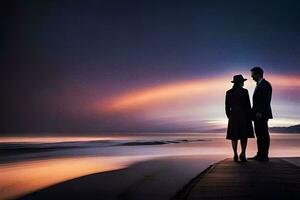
{"points": [[28, 164]]}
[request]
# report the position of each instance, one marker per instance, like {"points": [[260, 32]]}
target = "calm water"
{"points": [[30, 164]]}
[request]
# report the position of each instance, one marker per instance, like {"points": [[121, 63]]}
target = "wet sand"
{"points": [[153, 179]]}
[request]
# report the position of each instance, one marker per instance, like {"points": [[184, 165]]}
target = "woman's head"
{"points": [[238, 80]]}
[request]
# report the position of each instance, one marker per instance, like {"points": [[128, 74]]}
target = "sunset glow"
{"points": [[172, 91], [164, 93], [151, 71], [286, 82], [198, 99]]}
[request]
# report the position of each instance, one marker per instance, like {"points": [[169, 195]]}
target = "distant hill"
{"points": [[290, 129]]}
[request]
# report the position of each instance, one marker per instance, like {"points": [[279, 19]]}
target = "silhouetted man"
{"points": [[262, 112]]}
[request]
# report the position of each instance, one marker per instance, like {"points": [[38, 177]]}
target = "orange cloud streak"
{"points": [[186, 89], [164, 93], [290, 81]]}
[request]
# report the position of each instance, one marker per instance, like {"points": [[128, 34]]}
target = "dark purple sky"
{"points": [[59, 57]]}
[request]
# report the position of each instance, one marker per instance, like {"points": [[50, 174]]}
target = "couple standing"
{"points": [[240, 115]]}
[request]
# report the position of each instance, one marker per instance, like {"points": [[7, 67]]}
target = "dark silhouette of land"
{"points": [[275, 129], [275, 179]]}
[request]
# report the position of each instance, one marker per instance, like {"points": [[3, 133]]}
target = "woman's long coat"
{"points": [[238, 111]]}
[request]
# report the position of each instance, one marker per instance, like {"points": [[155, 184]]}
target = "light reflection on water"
{"points": [[41, 169], [28, 176]]}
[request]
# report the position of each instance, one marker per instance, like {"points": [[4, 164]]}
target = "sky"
{"points": [[142, 65]]}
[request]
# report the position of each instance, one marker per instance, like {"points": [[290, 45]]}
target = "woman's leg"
{"points": [[244, 145], [234, 146]]}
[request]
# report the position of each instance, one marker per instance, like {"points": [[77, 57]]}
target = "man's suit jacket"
{"points": [[262, 100]]}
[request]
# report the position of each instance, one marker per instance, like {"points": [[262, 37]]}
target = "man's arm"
{"points": [[267, 97], [264, 100]]}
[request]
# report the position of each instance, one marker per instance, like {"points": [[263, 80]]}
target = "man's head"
{"points": [[257, 73]]}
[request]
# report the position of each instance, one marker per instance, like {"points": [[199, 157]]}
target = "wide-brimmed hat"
{"points": [[238, 79]]}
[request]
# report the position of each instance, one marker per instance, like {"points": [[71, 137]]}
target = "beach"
{"points": [[129, 167]]}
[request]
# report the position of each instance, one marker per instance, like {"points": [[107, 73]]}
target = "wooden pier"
{"points": [[227, 180]]}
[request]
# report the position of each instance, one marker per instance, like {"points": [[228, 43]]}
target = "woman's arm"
{"points": [[227, 105]]}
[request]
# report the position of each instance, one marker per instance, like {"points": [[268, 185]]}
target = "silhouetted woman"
{"points": [[238, 111]]}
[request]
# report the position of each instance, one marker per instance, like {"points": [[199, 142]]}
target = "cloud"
{"points": [[198, 101]]}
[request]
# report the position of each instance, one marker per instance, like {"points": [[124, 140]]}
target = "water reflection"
{"points": [[28, 176]]}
